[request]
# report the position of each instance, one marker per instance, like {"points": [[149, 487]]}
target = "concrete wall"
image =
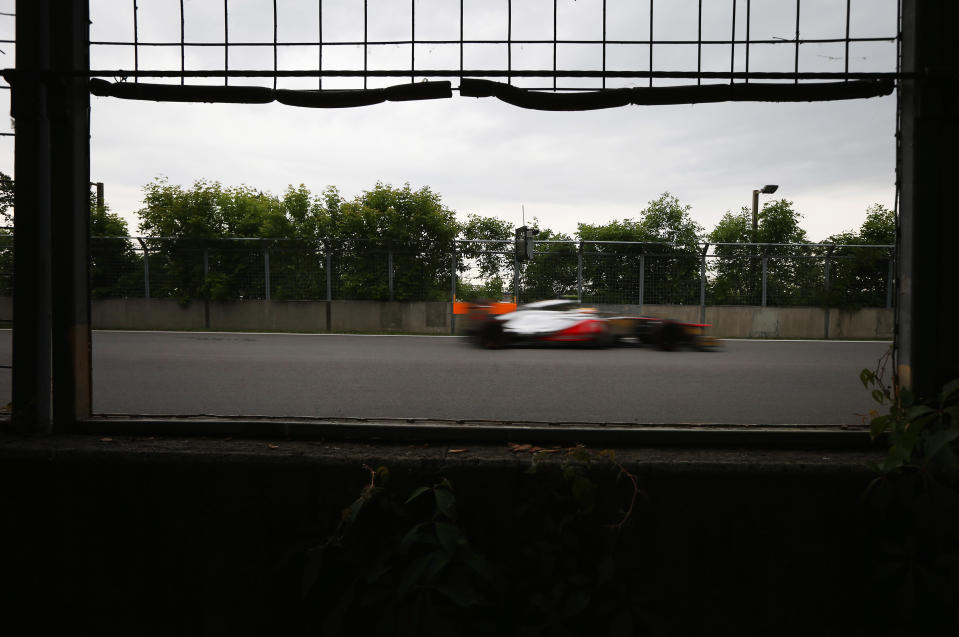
{"points": [[434, 317], [744, 321], [134, 536]]}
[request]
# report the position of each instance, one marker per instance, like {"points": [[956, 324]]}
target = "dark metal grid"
{"points": [[556, 74]]}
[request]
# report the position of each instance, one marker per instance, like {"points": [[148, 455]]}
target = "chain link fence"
{"points": [[845, 276]]}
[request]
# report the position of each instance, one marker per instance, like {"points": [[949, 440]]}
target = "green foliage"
{"points": [[912, 506], [859, 277], [7, 192], [791, 277], [419, 562], [551, 274], [116, 270], [670, 256]]}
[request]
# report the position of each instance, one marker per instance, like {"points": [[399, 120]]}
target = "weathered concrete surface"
{"points": [[147, 314], [279, 316], [435, 317]]}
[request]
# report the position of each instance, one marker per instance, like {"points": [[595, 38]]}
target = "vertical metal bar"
{"points": [[579, 273], [389, 269], [797, 41], [555, 31], [329, 275], [320, 47], [604, 45], [461, 39], [32, 322], [515, 279], [650, 42], [699, 46], [412, 40], [146, 268], [848, 13], [226, 41], [732, 46], [642, 280], [136, 43], [826, 286], [275, 47], [890, 282], [182, 44], [509, 41], [366, 37], [748, 22], [453, 288], [69, 104], [764, 282], [266, 272], [702, 285]]}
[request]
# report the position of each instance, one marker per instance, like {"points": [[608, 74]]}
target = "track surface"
{"points": [[325, 376]]}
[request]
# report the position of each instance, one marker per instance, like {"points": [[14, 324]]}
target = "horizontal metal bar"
{"points": [[717, 434], [178, 44], [580, 73]]}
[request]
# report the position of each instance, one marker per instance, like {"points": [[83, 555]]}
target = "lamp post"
{"points": [[766, 190]]}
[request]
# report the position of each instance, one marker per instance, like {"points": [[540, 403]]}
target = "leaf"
{"points": [[462, 595], [413, 536], [576, 603], [621, 626], [878, 396], [417, 492], [867, 376], [948, 390], [457, 451], [445, 502], [450, 537]]}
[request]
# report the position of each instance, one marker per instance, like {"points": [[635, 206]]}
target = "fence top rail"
{"points": [[507, 241]]}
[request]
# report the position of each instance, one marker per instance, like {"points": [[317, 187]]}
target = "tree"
{"points": [[792, 277], [493, 262], [859, 277], [115, 269], [551, 273], [411, 225], [666, 251], [6, 235]]}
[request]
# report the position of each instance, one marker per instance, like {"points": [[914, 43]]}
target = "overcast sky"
{"points": [[483, 156]]}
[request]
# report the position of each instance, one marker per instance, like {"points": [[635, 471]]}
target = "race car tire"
{"points": [[670, 336], [492, 336]]}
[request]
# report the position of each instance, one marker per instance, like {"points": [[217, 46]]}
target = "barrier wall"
{"points": [[436, 317]]}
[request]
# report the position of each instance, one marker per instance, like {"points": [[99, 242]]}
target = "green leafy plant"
{"points": [[921, 432], [911, 508]]}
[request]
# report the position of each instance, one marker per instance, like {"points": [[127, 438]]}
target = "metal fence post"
{"points": [[642, 280], [764, 282], [329, 273], [826, 273], [579, 273], [702, 284], [515, 279], [389, 267], [453, 289], [890, 281], [146, 267], [266, 272]]}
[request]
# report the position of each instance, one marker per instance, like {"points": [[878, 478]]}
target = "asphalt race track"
{"points": [[325, 376]]}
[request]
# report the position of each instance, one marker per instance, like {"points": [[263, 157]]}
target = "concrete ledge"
{"points": [[435, 317], [147, 314], [109, 529]]}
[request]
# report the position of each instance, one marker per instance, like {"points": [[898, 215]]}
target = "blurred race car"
{"points": [[562, 321]]}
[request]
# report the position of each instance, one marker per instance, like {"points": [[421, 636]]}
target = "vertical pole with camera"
{"points": [[523, 248]]}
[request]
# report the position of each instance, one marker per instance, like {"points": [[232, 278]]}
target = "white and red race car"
{"points": [[562, 321]]}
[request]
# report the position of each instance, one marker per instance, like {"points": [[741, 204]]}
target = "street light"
{"points": [[766, 190]]}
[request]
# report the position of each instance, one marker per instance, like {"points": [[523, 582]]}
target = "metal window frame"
{"points": [[52, 335]]}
